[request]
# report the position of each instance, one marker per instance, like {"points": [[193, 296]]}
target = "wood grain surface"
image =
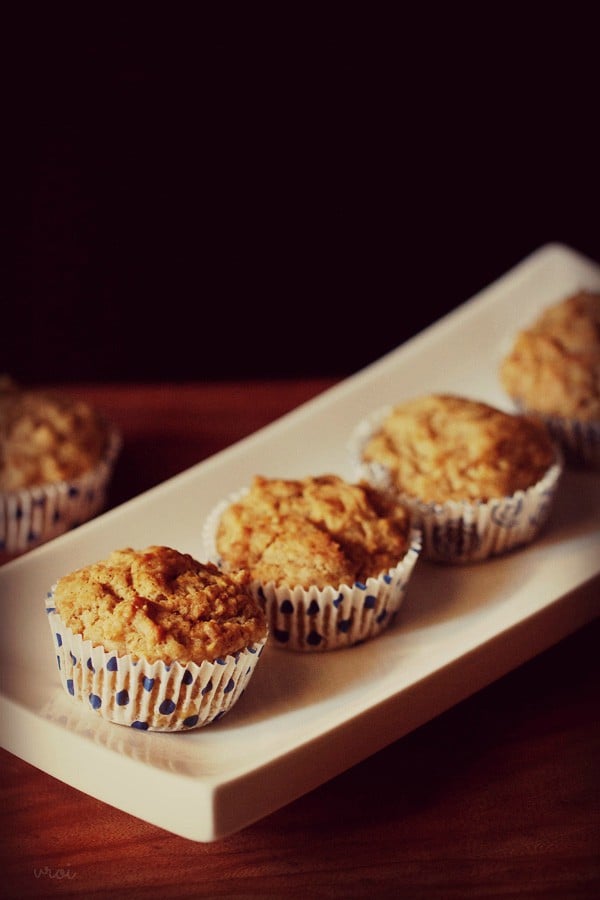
{"points": [[496, 798]]}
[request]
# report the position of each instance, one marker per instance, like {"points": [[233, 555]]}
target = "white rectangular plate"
{"points": [[305, 718]]}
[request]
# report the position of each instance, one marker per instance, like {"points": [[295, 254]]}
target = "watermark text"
{"points": [[57, 874]]}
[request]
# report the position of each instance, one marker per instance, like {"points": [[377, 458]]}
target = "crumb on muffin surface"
{"points": [[312, 531], [159, 603], [554, 365], [45, 437], [443, 447]]}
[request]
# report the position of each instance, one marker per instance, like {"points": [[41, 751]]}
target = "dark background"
{"points": [[268, 196]]}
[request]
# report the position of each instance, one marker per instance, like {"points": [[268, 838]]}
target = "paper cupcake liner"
{"points": [[320, 619], [148, 696], [464, 531], [579, 440], [31, 516]]}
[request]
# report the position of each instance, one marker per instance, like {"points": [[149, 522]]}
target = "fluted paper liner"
{"points": [[144, 695], [330, 618]]}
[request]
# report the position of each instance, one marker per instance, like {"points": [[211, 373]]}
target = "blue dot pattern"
{"points": [[166, 707], [149, 697], [320, 619]]}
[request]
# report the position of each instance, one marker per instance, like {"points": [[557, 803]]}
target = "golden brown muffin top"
{"points": [[554, 366], [45, 437], [311, 531], [444, 447], [160, 604]]}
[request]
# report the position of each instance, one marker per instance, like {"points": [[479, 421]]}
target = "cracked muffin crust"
{"points": [[160, 604], [318, 530], [444, 447]]}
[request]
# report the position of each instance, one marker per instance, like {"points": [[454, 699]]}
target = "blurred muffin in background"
{"points": [[57, 456], [553, 372]]}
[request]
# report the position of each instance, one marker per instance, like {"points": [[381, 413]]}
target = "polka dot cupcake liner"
{"points": [[457, 532], [320, 619], [148, 696], [32, 516]]}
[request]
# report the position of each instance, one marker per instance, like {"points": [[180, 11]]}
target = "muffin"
{"points": [[56, 459], [478, 481], [553, 372], [154, 639], [330, 561]]}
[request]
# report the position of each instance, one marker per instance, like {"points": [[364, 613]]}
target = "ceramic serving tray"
{"points": [[306, 717]]}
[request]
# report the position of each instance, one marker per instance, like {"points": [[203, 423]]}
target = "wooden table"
{"points": [[498, 797]]}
